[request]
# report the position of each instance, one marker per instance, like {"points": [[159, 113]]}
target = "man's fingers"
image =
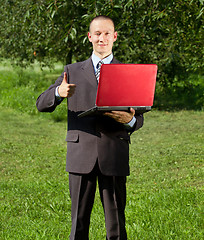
{"points": [[121, 116], [71, 89], [71, 85], [132, 110]]}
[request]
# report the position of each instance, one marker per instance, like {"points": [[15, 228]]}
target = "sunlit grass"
{"points": [[164, 190]]}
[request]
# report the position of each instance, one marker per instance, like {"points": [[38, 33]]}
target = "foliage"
{"points": [[168, 33], [187, 94]]}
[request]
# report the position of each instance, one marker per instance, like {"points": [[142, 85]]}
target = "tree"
{"points": [[168, 33]]}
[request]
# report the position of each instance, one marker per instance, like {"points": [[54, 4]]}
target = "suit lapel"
{"points": [[88, 71], [115, 61]]}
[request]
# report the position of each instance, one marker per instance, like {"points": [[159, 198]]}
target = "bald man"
{"points": [[97, 146]]}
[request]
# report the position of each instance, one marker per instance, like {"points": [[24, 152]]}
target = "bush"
{"points": [[20, 88], [181, 95]]}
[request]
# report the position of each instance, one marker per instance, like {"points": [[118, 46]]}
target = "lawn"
{"points": [[165, 188]]}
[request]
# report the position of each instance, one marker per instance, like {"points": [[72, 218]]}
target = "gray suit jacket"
{"points": [[90, 138]]}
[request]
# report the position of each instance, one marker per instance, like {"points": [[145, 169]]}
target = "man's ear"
{"points": [[115, 36], [89, 37]]}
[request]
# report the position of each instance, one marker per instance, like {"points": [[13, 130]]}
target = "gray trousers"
{"points": [[113, 197]]}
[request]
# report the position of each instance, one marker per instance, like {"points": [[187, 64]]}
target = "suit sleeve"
{"points": [[47, 101], [138, 124]]}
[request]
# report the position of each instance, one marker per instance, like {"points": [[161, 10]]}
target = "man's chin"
{"points": [[103, 53]]}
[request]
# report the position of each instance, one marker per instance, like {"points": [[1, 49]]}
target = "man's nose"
{"points": [[101, 38]]}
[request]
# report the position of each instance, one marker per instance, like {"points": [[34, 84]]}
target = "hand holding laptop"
{"points": [[66, 90], [121, 116]]}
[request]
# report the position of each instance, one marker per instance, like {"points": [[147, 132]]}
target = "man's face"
{"points": [[102, 36]]}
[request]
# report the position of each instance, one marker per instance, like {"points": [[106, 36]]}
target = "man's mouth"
{"points": [[102, 45]]}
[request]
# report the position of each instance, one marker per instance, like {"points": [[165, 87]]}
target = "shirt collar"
{"points": [[96, 59]]}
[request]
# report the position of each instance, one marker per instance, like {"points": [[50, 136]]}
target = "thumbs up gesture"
{"points": [[66, 90]]}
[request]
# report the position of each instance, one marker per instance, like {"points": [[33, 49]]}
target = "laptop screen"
{"points": [[126, 85]]}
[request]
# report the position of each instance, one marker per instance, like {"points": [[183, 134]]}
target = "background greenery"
{"points": [[167, 33], [19, 89], [165, 188]]}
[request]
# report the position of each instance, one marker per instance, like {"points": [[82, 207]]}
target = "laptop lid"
{"points": [[122, 86], [126, 85]]}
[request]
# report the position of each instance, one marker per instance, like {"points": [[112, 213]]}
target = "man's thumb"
{"points": [[132, 110], [65, 77]]}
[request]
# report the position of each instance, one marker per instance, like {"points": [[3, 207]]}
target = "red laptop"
{"points": [[122, 86]]}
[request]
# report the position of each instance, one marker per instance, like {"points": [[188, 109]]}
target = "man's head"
{"points": [[102, 35]]}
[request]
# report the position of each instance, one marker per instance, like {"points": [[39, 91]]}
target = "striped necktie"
{"points": [[98, 68]]}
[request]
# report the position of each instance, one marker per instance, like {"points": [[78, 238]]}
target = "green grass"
{"points": [[164, 190], [165, 196]]}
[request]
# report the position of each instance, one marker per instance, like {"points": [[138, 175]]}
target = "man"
{"points": [[97, 147]]}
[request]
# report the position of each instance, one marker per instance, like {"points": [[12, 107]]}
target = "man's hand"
{"points": [[66, 90], [121, 116]]}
